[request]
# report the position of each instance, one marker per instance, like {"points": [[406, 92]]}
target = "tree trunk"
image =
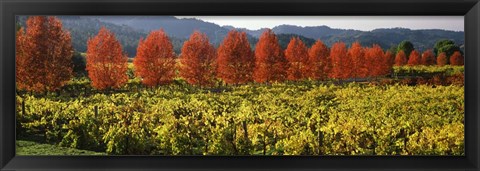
{"points": [[23, 107], [245, 131]]}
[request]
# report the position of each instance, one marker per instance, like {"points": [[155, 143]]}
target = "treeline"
{"points": [[44, 59]]}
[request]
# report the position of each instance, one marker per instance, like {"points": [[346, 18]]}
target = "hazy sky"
{"points": [[365, 23]]}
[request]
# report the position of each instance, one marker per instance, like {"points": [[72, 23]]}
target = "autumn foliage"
{"points": [[414, 58], [375, 58], [341, 64], [456, 58], [428, 58], [297, 57], [270, 62], [235, 59], [155, 60], [442, 59], [43, 55], [357, 54], [44, 59], [106, 61], [319, 63], [387, 63], [197, 60], [400, 58]]}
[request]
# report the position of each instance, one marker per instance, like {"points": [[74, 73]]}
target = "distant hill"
{"points": [[284, 39], [386, 38], [82, 28], [422, 39], [316, 32], [181, 28], [129, 29]]}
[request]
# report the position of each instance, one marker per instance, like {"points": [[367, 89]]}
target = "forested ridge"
{"points": [[130, 29]]}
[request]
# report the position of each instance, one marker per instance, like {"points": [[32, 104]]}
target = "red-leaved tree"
{"points": [[387, 63], [456, 58], [357, 54], [155, 60], [106, 61], [297, 57], [442, 59], [21, 60], [414, 58], [319, 63], [374, 60], [270, 62], [235, 59], [198, 60], [428, 58], [341, 64], [43, 55], [400, 58]]}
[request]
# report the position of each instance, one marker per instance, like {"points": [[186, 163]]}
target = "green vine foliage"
{"points": [[306, 118], [421, 70]]}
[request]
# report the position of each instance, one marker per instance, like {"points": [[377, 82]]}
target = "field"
{"points": [[33, 148], [399, 115]]}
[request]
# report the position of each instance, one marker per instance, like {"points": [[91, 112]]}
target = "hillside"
{"points": [[129, 29], [284, 39], [82, 28], [385, 37], [181, 28], [422, 39]]}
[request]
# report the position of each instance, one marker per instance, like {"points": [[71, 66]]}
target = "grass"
{"points": [[33, 148]]}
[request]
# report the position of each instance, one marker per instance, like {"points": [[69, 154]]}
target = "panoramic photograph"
{"points": [[240, 85]]}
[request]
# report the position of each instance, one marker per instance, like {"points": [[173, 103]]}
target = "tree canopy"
{"points": [[43, 55], [106, 62], [405, 46]]}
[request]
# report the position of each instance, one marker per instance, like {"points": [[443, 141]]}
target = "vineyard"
{"points": [[422, 70], [234, 99], [293, 118]]}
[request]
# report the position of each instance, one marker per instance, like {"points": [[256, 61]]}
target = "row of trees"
{"points": [[448, 47], [44, 59], [428, 58]]}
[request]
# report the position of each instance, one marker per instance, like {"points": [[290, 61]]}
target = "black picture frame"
{"points": [[470, 9]]}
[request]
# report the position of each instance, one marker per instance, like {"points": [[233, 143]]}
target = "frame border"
{"points": [[470, 9]]}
